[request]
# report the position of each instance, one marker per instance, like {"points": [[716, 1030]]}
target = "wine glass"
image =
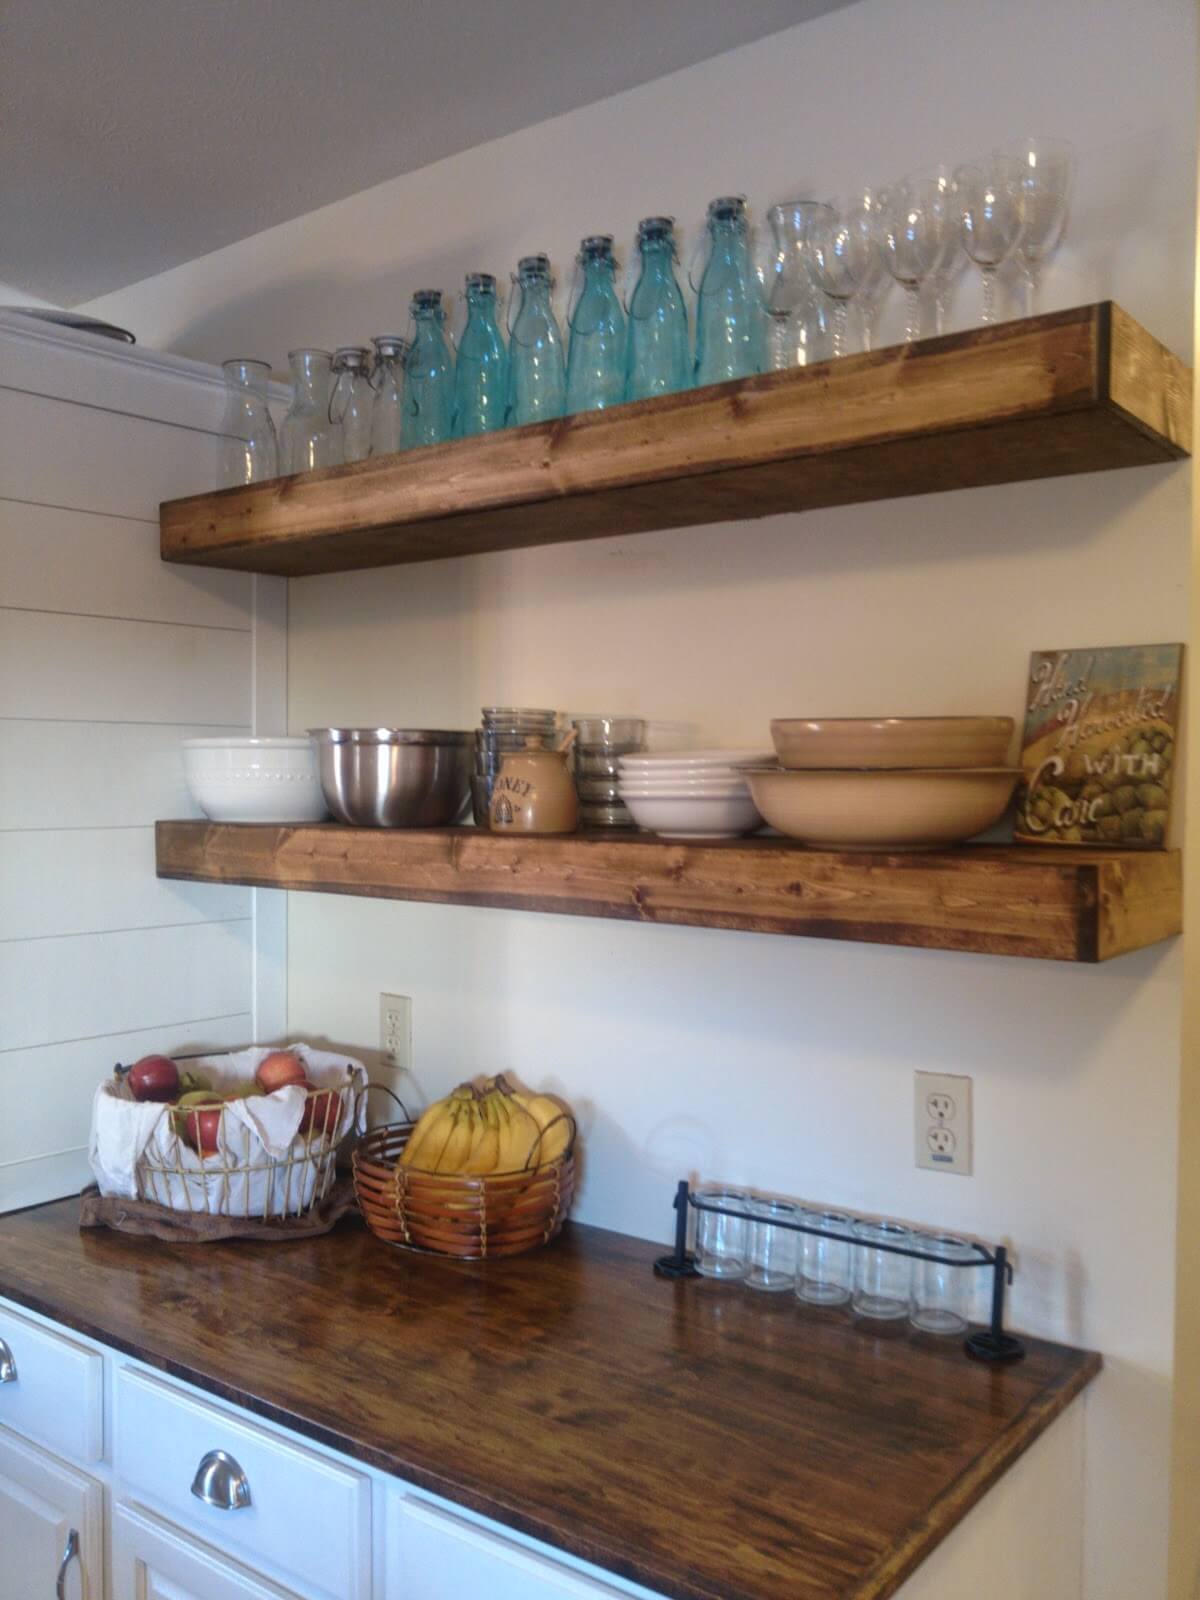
{"points": [[991, 214], [916, 233], [840, 250], [1045, 168], [870, 205]]}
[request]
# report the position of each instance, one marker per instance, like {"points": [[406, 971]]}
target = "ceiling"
{"points": [[142, 133]]}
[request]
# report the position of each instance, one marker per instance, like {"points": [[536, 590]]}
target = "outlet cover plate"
{"points": [[395, 1031], [942, 1125]]}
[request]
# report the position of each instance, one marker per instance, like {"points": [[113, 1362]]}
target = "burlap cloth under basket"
{"points": [[500, 1214]]}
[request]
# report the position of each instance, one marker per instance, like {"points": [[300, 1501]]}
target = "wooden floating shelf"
{"points": [[1060, 904], [1072, 391]]}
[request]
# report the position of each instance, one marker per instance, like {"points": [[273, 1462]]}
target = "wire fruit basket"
{"points": [[452, 1214]]}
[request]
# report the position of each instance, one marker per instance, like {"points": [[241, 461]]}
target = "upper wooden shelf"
{"points": [[1072, 391], [1062, 904]]}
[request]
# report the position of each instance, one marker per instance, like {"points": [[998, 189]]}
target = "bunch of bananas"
{"points": [[493, 1128]]}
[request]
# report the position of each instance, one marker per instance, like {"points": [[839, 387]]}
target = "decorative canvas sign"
{"points": [[1099, 746]]}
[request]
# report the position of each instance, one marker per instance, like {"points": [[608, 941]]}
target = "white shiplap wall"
{"points": [[107, 659]]}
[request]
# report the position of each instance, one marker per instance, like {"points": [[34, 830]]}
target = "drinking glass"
{"points": [[953, 261], [842, 252], [943, 1289], [353, 398], [882, 1280], [869, 206], [249, 451], [309, 439], [721, 1241], [916, 234], [991, 213], [798, 331], [1045, 168], [772, 1249], [387, 408], [824, 1277]]}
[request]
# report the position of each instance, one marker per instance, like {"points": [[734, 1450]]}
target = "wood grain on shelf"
{"points": [[686, 1435], [1070, 391], [1059, 903]]}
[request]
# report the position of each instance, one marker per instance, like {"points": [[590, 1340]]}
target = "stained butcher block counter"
{"points": [[707, 1442]]}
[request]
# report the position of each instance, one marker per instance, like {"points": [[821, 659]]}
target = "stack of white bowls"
{"points": [[691, 794]]}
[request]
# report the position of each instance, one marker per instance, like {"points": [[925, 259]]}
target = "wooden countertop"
{"points": [[708, 1442]]}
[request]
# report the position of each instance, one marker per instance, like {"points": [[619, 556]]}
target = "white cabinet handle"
{"points": [[70, 1554], [8, 1367], [220, 1482]]}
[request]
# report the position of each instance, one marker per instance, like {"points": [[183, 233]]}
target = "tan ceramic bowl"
{"points": [[898, 810], [804, 743]]}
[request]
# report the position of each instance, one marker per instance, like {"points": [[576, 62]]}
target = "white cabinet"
{"points": [[152, 1561], [51, 1526], [54, 1392], [435, 1555]]}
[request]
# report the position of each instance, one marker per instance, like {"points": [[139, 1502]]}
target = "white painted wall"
{"points": [[108, 659], [784, 1063]]}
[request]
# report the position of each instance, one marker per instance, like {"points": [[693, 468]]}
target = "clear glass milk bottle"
{"points": [[596, 358], [658, 356], [730, 321], [481, 372], [537, 384], [428, 375], [309, 439], [249, 450], [387, 405], [353, 399]]}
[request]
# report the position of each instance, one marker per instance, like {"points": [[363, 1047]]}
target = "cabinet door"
{"points": [[152, 1561], [434, 1555], [42, 1503]]}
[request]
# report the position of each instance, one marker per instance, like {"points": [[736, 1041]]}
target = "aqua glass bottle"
{"points": [[428, 375], [730, 316], [658, 354], [481, 371], [596, 357], [537, 382]]}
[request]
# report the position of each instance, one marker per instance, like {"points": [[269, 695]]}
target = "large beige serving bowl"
{"points": [[897, 810], [803, 743]]}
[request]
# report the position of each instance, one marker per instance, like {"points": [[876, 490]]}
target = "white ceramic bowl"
{"points": [[694, 816], [684, 760], [254, 780], [682, 786], [888, 810]]}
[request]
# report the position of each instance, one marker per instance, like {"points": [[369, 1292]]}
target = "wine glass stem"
{"points": [[939, 309], [912, 330], [1031, 289], [989, 295], [839, 329]]}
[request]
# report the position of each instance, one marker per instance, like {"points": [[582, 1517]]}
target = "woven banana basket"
{"points": [[500, 1214]]}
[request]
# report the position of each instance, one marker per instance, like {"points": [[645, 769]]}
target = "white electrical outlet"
{"points": [[395, 1031], [942, 1122]]}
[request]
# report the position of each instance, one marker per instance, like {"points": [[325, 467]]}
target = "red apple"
{"points": [[153, 1078], [198, 1123], [278, 1069], [322, 1108]]}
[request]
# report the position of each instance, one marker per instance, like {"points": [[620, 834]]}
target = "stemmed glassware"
{"points": [[798, 325], [917, 235], [1044, 169], [842, 250], [991, 213], [870, 206]]}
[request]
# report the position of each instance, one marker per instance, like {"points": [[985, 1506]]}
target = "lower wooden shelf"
{"points": [[1057, 904]]}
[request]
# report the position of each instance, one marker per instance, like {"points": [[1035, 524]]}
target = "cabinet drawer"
{"points": [[434, 1555], [57, 1396], [308, 1520]]}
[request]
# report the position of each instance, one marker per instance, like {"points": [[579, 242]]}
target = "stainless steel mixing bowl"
{"points": [[394, 777]]}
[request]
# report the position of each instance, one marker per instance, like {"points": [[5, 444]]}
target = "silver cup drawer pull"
{"points": [[220, 1482], [8, 1367]]}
